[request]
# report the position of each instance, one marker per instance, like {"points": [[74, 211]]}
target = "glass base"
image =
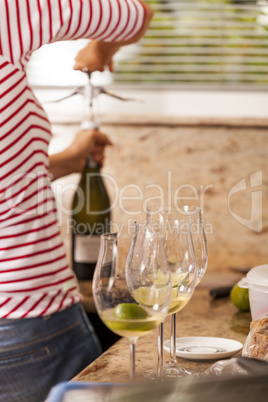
{"points": [[174, 370], [151, 375]]}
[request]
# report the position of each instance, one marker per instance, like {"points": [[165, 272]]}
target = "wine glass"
{"points": [[193, 215], [128, 298], [180, 256]]}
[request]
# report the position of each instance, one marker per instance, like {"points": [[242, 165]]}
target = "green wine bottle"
{"points": [[91, 218]]}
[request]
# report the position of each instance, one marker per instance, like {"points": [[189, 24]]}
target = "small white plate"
{"points": [[204, 347]]}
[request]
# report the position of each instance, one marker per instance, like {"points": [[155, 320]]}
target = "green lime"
{"points": [[130, 311], [239, 297]]}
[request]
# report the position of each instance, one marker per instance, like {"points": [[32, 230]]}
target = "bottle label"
{"points": [[86, 249]]}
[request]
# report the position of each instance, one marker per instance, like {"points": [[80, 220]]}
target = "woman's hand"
{"points": [[88, 142], [73, 158], [96, 56]]}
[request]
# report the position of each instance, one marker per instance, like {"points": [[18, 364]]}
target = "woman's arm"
{"points": [[73, 158]]}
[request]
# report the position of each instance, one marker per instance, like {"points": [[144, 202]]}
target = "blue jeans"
{"points": [[37, 353]]}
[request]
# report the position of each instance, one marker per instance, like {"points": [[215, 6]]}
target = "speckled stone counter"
{"points": [[201, 317]]}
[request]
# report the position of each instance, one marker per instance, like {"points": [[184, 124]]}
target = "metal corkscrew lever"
{"points": [[90, 92], [93, 91]]}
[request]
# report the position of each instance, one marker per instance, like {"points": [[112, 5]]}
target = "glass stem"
{"points": [[160, 348], [173, 339], [132, 359]]}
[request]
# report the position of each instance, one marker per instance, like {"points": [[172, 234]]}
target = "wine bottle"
{"points": [[91, 218]]}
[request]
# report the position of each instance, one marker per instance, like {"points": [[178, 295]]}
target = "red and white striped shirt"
{"points": [[35, 278]]}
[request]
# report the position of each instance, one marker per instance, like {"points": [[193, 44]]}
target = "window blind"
{"points": [[219, 44], [209, 43]]}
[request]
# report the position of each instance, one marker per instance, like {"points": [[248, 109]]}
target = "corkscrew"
{"points": [[91, 92]]}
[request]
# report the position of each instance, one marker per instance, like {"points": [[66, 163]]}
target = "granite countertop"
{"points": [[201, 317]]}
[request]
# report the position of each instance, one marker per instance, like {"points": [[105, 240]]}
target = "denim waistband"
{"points": [[30, 329]]}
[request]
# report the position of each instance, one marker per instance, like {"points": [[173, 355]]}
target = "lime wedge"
{"points": [[178, 279], [130, 311], [160, 279], [149, 296]]}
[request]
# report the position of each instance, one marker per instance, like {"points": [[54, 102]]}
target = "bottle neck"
{"points": [[90, 163], [90, 125]]}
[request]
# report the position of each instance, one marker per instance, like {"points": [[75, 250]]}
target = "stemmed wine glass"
{"points": [[166, 216], [128, 298], [180, 256], [193, 215]]}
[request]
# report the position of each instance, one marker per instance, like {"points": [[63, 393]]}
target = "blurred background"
{"points": [[199, 126]]}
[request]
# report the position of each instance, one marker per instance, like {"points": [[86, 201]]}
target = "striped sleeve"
{"points": [[31, 24], [109, 20]]}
